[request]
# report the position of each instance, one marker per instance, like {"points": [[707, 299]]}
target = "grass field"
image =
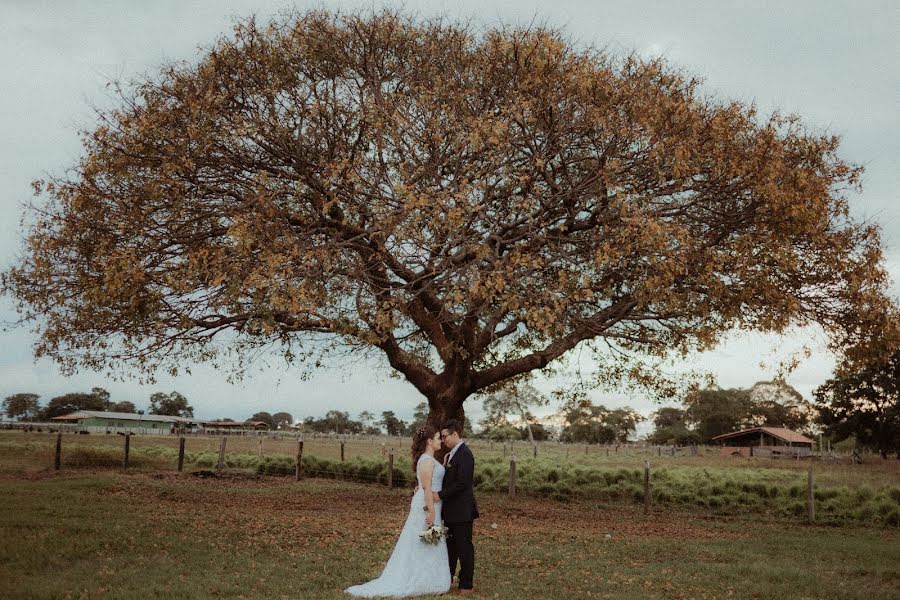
{"points": [[92, 530], [108, 534]]}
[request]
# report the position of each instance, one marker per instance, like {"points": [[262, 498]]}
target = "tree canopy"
{"points": [[74, 401], [864, 402], [171, 404], [282, 420], [586, 422], [263, 417], [471, 205], [334, 421], [21, 406], [517, 401]]}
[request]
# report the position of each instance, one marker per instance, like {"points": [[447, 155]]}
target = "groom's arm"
{"points": [[465, 469]]}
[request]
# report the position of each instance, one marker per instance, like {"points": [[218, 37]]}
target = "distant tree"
{"points": [[282, 420], [172, 404], [420, 417], [265, 418], [864, 402], [340, 422], [103, 395], [584, 422], [22, 406], [334, 421], [500, 431], [392, 425], [669, 416], [623, 422], [715, 411], [670, 427], [777, 404], [68, 403], [124, 407], [516, 401], [538, 431]]}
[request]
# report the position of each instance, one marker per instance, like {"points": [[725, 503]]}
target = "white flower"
{"points": [[433, 534]]}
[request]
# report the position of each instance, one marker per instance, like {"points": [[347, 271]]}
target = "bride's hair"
{"points": [[420, 438]]}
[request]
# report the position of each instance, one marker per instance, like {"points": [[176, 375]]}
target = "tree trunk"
{"points": [[441, 412]]}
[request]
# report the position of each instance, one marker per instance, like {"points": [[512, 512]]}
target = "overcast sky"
{"points": [[834, 63]]}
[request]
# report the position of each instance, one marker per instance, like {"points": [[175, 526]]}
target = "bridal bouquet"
{"points": [[433, 534]]}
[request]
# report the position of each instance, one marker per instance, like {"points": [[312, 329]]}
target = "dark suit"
{"points": [[458, 510]]}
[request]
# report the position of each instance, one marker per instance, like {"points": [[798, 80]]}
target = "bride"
{"points": [[416, 567]]}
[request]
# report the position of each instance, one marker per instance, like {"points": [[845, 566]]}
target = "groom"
{"points": [[458, 508]]}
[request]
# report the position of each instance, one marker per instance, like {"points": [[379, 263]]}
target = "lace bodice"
{"points": [[437, 476]]}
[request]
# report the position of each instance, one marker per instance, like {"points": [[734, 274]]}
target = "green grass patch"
{"points": [[142, 536]]}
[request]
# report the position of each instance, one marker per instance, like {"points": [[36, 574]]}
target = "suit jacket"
{"points": [[457, 493]]}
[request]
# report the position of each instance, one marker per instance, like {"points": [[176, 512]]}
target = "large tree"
{"points": [[471, 205]]}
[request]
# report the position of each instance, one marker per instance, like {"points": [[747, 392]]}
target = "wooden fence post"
{"points": [[810, 497], [298, 474], [535, 450], [180, 453], [259, 450], [221, 454], [585, 449], [127, 448], [646, 486], [391, 469], [512, 476], [342, 450], [58, 459]]}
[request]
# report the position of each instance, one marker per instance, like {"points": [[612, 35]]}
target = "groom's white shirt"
{"points": [[455, 448]]}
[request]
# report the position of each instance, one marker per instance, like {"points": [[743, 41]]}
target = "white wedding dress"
{"points": [[415, 567]]}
